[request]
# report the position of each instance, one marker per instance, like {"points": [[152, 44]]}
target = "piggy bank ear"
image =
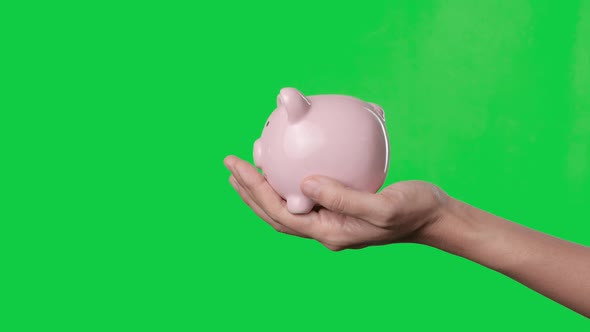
{"points": [[377, 109], [294, 102]]}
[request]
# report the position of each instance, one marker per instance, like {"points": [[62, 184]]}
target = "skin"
{"points": [[420, 212]]}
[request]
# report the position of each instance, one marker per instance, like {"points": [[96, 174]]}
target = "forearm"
{"points": [[553, 267]]}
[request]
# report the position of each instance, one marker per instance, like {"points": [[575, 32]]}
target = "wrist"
{"points": [[455, 230], [477, 235]]}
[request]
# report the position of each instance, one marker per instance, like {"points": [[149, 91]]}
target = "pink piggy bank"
{"points": [[337, 136]]}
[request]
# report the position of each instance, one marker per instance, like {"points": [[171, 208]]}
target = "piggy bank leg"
{"points": [[299, 204]]}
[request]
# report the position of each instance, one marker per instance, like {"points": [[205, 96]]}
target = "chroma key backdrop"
{"points": [[115, 117]]}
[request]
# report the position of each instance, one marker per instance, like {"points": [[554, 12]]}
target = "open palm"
{"points": [[345, 218]]}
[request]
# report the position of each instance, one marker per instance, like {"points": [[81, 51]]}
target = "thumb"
{"points": [[336, 197]]}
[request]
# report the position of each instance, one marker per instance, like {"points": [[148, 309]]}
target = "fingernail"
{"points": [[311, 188]]}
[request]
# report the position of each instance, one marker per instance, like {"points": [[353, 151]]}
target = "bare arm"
{"points": [[553, 267], [419, 212]]}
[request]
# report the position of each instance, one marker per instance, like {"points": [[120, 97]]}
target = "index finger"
{"points": [[267, 199]]}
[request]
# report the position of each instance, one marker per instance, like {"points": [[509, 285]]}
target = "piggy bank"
{"points": [[337, 136]]}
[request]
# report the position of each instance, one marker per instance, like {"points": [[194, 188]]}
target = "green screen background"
{"points": [[116, 212]]}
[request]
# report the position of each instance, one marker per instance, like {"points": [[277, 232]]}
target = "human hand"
{"points": [[346, 219], [419, 212]]}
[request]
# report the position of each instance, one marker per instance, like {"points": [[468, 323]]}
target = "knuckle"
{"points": [[397, 196], [333, 247], [389, 206], [337, 203], [257, 182], [381, 222], [274, 213], [386, 213], [334, 242], [439, 195], [281, 230], [325, 237], [248, 202]]}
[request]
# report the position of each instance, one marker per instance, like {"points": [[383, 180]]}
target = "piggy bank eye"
{"points": [[267, 122]]}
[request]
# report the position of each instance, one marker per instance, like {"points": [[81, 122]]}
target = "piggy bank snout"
{"points": [[258, 153]]}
